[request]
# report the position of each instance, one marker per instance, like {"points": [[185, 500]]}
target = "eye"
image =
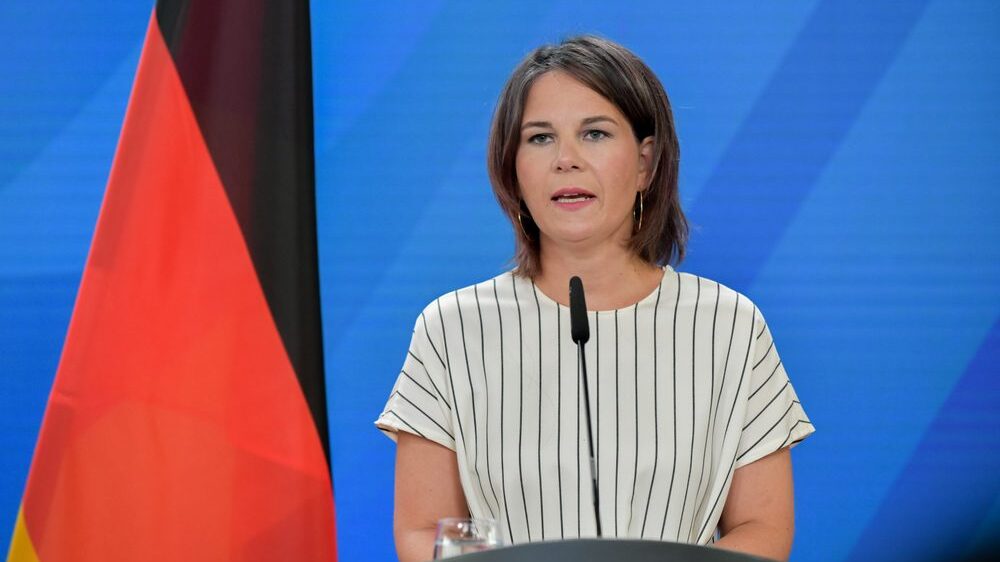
{"points": [[540, 138], [596, 134]]}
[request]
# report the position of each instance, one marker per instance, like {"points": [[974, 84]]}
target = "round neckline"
{"points": [[648, 298]]}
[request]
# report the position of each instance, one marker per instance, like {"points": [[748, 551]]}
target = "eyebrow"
{"points": [[586, 121]]}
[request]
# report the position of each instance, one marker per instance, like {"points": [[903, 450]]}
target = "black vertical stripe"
{"points": [[541, 483], [656, 416], [673, 449], [635, 357], [579, 446], [451, 379], [694, 394], [253, 103], [559, 470], [618, 433], [503, 475], [715, 504], [746, 360], [520, 406], [597, 391], [725, 366], [739, 385], [472, 392], [486, 382], [708, 419]]}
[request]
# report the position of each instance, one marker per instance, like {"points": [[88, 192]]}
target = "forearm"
{"points": [[415, 545], [759, 539], [428, 488]]}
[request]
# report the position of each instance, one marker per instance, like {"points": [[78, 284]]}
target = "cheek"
{"points": [[622, 170], [529, 176]]}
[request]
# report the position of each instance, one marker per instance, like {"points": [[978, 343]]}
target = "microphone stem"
{"points": [[590, 439]]}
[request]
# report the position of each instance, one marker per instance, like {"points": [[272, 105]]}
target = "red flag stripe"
{"points": [[246, 68], [176, 428]]}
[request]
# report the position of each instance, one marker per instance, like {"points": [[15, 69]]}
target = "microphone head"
{"points": [[579, 325]]}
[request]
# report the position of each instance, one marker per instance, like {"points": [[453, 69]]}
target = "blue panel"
{"points": [[56, 56], [796, 125], [884, 284], [67, 68], [953, 474]]}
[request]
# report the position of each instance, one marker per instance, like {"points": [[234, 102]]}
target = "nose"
{"points": [[568, 158]]}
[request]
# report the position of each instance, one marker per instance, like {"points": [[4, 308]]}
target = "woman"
{"points": [[693, 412]]}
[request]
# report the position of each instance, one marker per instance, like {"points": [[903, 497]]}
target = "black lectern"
{"points": [[606, 550]]}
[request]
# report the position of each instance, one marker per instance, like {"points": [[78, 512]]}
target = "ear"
{"points": [[645, 163]]}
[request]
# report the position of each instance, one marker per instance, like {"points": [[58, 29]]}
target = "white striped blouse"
{"points": [[685, 387]]}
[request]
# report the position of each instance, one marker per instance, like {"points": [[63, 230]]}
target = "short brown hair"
{"points": [[622, 78]]}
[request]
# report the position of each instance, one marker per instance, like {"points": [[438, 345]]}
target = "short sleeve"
{"points": [[420, 403], [774, 416]]}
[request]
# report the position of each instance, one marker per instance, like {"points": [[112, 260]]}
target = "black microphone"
{"points": [[580, 331], [579, 326]]}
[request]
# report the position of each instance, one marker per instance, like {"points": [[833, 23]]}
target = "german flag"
{"points": [[187, 420]]}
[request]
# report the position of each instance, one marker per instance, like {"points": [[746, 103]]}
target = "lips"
{"points": [[573, 199], [572, 195]]}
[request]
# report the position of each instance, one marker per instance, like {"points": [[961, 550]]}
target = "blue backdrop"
{"points": [[838, 164]]}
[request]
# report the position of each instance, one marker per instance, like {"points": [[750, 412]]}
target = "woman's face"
{"points": [[578, 164]]}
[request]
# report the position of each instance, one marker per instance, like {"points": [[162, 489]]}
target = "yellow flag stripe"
{"points": [[21, 549]]}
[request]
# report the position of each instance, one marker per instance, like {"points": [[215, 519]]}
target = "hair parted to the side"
{"points": [[622, 78]]}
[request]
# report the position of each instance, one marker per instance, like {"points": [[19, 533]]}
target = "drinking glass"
{"points": [[456, 536]]}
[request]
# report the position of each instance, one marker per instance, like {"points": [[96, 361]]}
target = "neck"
{"points": [[612, 277]]}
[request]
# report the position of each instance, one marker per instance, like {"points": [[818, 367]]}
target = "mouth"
{"points": [[572, 195]]}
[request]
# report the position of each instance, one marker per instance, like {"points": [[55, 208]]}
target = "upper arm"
{"points": [[762, 492], [428, 487]]}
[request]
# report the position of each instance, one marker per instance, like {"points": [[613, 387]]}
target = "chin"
{"points": [[572, 236]]}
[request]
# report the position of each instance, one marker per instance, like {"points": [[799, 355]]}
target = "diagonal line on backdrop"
{"points": [[792, 132], [949, 483], [50, 84]]}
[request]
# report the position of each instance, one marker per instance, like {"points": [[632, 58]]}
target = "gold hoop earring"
{"points": [[522, 214], [639, 198]]}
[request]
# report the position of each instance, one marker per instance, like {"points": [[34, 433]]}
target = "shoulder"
{"points": [[472, 299], [710, 293]]}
